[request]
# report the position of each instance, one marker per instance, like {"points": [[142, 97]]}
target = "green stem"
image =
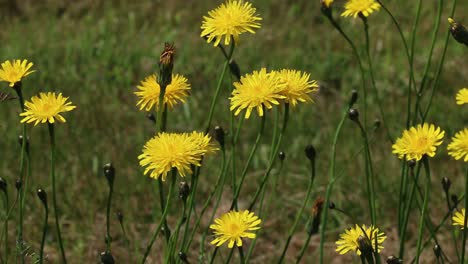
{"points": [[54, 194], [424, 209], [44, 233], [166, 210], [306, 243], [109, 199], [465, 220], [191, 202], [241, 255], [402, 194], [6, 225]]}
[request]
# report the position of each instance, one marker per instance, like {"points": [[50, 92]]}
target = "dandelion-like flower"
{"points": [[228, 20], [233, 226], [458, 219], [14, 71], [458, 148], [298, 86], [174, 150], [47, 107], [149, 90], [355, 7], [349, 240], [462, 96], [418, 141], [255, 91]]}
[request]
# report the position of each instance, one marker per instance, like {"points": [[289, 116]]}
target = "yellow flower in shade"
{"points": [[458, 219], [418, 141], [326, 3], [355, 7], [298, 86], [458, 148], [47, 107], [174, 150], [14, 71], [255, 91], [228, 20], [233, 226], [462, 96], [149, 89], [349, 240]]}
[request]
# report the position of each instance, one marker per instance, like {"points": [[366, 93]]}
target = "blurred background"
{"points": [[96, 52]]}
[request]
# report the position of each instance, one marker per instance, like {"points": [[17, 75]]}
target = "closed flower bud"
{"points": [[3, 185], [151, 117], [42, 196], [353, 114], [437, 250], [394, 260], [106, 258], [326, 7], [109, 172], [377, 124], [310, 152], [459, 32], [166, 63], [281, 155], [18, 184], [331, 205], [455, 200], [353, 99], [446, 184], [219, 135], [411, 163], [365, 246], [120, 217], [235, 70], [183, 257], [20, 141], [184, 191]]}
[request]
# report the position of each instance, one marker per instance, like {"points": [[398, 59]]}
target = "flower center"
{"points": [[234, 229], [422, 143]]}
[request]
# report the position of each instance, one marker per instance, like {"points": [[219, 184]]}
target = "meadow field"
{"points": [[96, 53]]}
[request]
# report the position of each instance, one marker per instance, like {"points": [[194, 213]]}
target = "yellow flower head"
{"points": [[418, 141], [233, 226], [174, 150], [255, 91], [46, 108], [356, 7], [458, 148], [326, 3], [14, 71], [149, 89], [298, 86], [458, 219], [229, 19], [462, 96], [349, 240]]}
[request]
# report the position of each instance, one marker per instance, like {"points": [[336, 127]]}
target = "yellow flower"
{"points": [[349, 240], [418, 141], [148, 92], [458, 148], [326, 3], [46, 108], [458, 219], [233, 226], [228, 20], [255, 91], [298, 86], [172, 150], [462, 96], [356, 7], [14, 71]]}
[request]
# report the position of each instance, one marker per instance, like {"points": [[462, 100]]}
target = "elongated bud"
{"points": [[377, 124], [219, 135], [411, 163], [353, 114], [109, 172], [394, 260], [310, 152], [42, 196], [20, 141], [458, 31], [183, 257], [120, 217], [437, 250], [446, 183], [331, 205], [365, 246], [326, 7], [235, 70], [455, 200], [184, 191], [18, 184], [151, 117], [166, 63], [316, 213], [106, 258], [353, 99], [281, 155], [3, 185]]}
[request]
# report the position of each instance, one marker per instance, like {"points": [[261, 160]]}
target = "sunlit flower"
{"points": [[149, 89], [14, 71], [255, 91], [47, 107], [355, 7], [349, 240], [462, 96], [228, 20], [233, 226], [458, 219], [174, 150], [418, 141], [298, 86], [458, 148]]}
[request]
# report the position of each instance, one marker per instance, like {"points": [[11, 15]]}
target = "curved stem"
{"points": [[44, 233], [54, 193], [424, 209]]}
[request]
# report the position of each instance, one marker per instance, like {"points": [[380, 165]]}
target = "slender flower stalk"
{"points": [[109, 173], [3, 187], [43, 197], [424, 208], [465, 220]]}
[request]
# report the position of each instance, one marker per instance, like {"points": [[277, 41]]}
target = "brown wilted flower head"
{"points": [[318, 206], [167, 56], [459, 32]]}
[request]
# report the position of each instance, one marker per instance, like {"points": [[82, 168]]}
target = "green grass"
{"points": [[97, 52]]}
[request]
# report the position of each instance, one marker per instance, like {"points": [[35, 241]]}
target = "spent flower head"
{"points": [[233, 226], [255, 91], [418, 141], [47, 107], [458, 219], [298, 87], [350, 239], [166, 151], [230, 19], [458, 148], [149, 90], [462, 96], [355, 7], [15, 70]]}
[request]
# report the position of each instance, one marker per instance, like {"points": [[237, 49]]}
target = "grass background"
{"points": [[96, 52]]}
